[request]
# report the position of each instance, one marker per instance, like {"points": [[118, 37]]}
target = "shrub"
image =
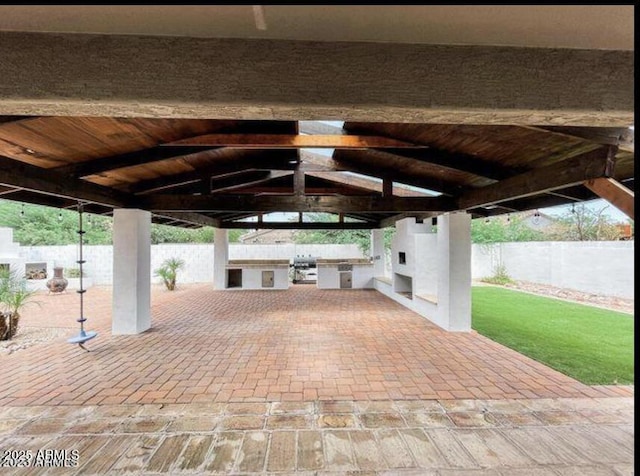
{"points": [[500, 276], [168, 272]]}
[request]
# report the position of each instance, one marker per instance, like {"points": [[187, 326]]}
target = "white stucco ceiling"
{"points": [[565, 26]]}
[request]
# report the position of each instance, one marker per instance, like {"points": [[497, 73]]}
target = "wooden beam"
{"points": [[562, 174], [455, 161], [292, 141], [189, 217], [359, 164], [391, 221], [234, 78], [146, 156], [297, 225], [291, 203], [622, 137], [298, 182], [387, 187], [205, 173], [244, 179], [614, 192], [15, 173]]}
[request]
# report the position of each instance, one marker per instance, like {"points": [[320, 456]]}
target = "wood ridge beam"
{"points": [[292, 141]]}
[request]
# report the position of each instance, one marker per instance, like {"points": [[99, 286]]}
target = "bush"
{"points": [[168, 272], [500, 276], [14, 295]]}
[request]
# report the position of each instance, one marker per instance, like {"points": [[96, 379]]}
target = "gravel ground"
{"points": [[608, 302], [28, 336]]}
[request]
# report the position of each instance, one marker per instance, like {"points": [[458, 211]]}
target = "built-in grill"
{"points": [[304, 269]]}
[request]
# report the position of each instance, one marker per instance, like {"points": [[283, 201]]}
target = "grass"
{"points": [[592, 345]]}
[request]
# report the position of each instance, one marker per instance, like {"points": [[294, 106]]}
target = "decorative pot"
{"points": [[58, 283]]}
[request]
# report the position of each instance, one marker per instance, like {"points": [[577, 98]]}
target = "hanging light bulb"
{"points": [[573, 208], [60, 215], [508, 218], [22, 211]]}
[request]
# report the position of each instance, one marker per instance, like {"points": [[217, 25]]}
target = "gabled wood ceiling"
{"points": [[215, 172]]}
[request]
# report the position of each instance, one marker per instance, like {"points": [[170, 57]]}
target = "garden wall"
{"points": [[198, 258], [599, 267]]}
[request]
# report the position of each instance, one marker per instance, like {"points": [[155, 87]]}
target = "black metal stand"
{"points": [[83, 336]]}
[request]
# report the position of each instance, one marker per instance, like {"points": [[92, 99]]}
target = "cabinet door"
{"points": [[267, 279], [345, 281]]}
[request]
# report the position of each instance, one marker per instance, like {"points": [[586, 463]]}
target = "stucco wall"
{"points": [[198, 258], [599, 267]]}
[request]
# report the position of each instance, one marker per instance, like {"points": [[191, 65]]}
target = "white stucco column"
{"points": [[377, 251], [220, 257], [131, 271], [454, 271]]}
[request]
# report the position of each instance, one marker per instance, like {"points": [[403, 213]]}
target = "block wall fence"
{"points": [[599, 267]]}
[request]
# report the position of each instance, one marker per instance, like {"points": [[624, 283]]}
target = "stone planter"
{"points": [[58, 283]]}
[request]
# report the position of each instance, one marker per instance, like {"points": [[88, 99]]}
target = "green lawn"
{"points": [[592, 345]]}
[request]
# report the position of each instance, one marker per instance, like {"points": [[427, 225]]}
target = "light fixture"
{"points": [[573, 208], [508, 218], [22, 211], [60, 215]]}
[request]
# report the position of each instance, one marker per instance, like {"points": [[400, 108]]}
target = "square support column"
{"points": [[377, 251], [131, 271], [220, 257], [454, 271]]}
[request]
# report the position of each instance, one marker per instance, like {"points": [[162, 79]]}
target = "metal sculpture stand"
{"points": [[84, 336]]}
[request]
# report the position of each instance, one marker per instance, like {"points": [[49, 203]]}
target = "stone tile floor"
{"points": [[297, 382], [423, 437]]}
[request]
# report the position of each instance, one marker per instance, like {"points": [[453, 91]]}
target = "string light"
{"points": [[22, 211], [536, 217], [60, 215], [573, 208], [508, 218]]}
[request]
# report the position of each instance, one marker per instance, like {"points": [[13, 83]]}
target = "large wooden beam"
{"points": [[292, 203], [29, 177], [188, 217], [613, 192], [146, 156], [250, 179], [621, 137], [562, 174], [296, 225], [268, 162], [172, 76], [293, 141]]}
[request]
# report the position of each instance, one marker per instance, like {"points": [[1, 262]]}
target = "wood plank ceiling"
{"points": [[194, 172]]}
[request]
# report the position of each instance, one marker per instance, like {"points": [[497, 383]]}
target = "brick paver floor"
{"points": [[303, 344], [304, 381]]}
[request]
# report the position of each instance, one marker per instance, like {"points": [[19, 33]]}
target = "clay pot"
{"points": [[58, 283]]}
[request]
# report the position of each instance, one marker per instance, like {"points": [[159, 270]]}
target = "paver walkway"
{"points": [[419, 437], [303, 344]]}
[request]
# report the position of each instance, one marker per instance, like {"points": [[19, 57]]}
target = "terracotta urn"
{"points": [[58, 283]]}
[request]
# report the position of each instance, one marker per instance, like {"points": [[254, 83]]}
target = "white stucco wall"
{"points": [[599, 267]]}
